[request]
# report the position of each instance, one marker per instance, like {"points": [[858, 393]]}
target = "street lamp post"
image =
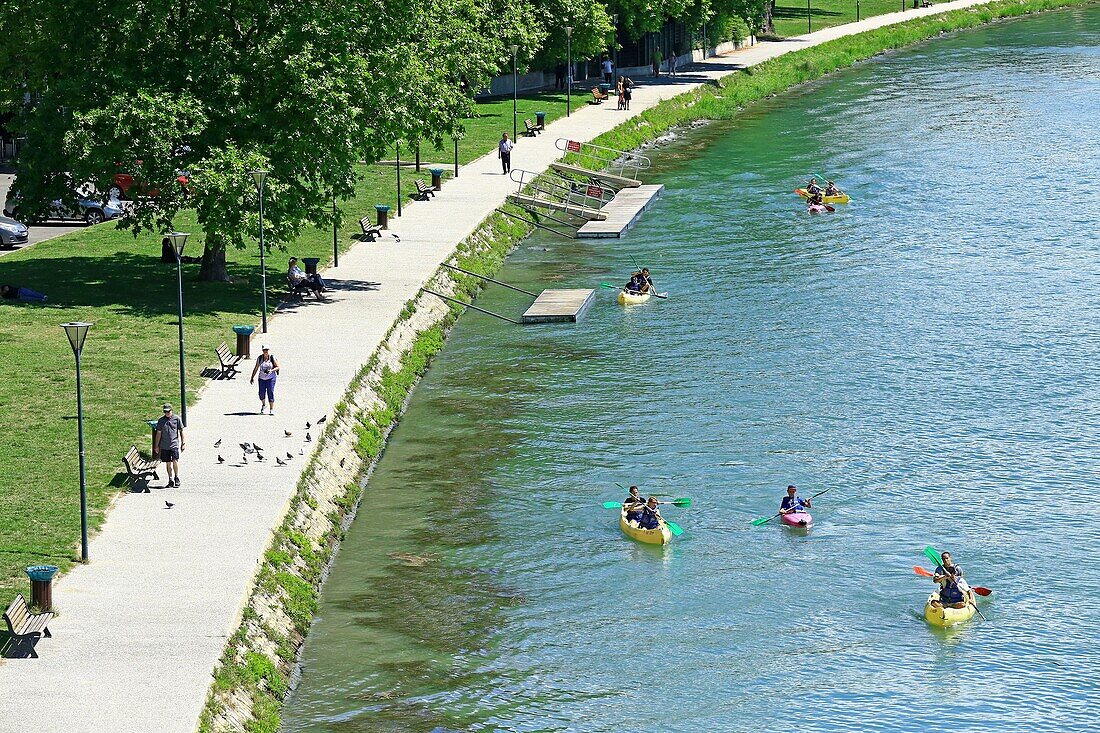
{"points": [[515, 89], [568, 70], [615, 43], [397, 159], [259, 177], [809, 15], [76, 333], [178, 240], [335, 238], [857, 11]]}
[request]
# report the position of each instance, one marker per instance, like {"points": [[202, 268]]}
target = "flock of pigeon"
{"points": [[254, 450]]}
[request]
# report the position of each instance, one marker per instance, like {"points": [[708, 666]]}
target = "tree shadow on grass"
{"points": [[791, 12]]}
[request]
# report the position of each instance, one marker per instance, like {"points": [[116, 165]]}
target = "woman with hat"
{"points": [[268, 369]]}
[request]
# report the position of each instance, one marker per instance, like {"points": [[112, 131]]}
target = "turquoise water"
{"points": [[928, 353]]}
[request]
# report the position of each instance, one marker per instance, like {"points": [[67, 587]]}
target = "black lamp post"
{"points": [[809, 22], [397, 148], [178, 240], [615, 44], [77, 332], [857, 11], [259, 177], [569, 70], [515, 89], [335, 238]]}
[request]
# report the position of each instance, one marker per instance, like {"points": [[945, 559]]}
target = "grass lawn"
{"points": [[790, 15], [130, 361]]}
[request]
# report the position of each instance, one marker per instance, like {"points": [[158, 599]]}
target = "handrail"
{"points": [[590, 196], [624, 162]]}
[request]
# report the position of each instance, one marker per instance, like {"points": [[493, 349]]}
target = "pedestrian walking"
{"points": [[170, 442], [608, 70], [268, 368], [657, 59], [504, 150], [559, 75], [672, 64], [625, 85]]}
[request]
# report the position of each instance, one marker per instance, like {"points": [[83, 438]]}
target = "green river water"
{"points": [[929, 352]]}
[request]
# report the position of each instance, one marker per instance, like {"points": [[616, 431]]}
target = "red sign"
{"points": [[573, 146], [595, 192]]}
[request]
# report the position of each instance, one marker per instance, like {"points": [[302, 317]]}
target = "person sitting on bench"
{"points": [[296, 277]]}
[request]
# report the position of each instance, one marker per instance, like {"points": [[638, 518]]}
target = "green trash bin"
{"points": [[244, 340]]}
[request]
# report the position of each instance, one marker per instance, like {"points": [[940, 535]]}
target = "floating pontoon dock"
{"points": [[621, 212], [559, 306]]}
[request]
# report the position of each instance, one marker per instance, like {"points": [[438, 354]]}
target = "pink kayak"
{"points": [[797, 519], [817, 209]]}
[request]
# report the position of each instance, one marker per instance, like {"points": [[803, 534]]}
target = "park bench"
{"points": [[423, 192], [25, 626], [227, 361], [531, 129], [598, 97], [139, 470], [370, 231], [300, 287]]}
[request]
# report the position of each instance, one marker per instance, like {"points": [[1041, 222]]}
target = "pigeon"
{"points": [[259, 456], [244, 458], [301, 452], [342, 462], [221, 460], [395, 236], [218, 444], [287, 433], [280, 461], [309, 425], [168, 505], [322, 419], [256, 447], [309, 438], [288, 455], [246, 447]]}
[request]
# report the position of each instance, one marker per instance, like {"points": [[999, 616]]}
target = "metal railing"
{"points": [[621, 163], [551, 188]]}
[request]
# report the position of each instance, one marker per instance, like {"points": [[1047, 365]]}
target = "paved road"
{"points": [[38, 233], [144, 624]]}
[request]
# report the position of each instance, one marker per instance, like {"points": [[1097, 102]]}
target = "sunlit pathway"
{"points": [[142, 627]]}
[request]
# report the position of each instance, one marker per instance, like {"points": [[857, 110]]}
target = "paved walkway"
{"points": [[143, 625]]}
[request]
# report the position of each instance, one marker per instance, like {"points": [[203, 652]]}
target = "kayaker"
{"points": [[953, 588], [651, 515], [633, 505], [647, 280], [817, 199], [812, 188], [793, 503], [637, 283], [832, 190]]}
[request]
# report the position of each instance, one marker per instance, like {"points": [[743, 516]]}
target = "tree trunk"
{"points": [[769, 17], [213, 262]]}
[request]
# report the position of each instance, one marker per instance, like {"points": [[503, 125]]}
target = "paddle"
{"points": [[765, 520], [619, 287], [652, 285], [929, 574], [931, 554], [683, 501], [676, 529]]}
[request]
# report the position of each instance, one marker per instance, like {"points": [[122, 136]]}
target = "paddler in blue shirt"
{"points": [[633, 505], [792, 503], [953, 588], [651, 515], [812, 187]]}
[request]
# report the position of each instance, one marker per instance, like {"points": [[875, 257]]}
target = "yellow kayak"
{"points": [[626, 298], [843, 198], [946, 617], [659, 536]]}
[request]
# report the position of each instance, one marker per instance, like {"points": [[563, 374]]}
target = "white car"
{"points": [[12, 233]]}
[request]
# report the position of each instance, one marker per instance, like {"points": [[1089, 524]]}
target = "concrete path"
{"points": [[143, 625]]}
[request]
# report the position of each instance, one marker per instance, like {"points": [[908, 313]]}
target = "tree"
{"points": [[302, 88]]}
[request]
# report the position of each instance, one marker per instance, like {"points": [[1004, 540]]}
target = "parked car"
{"points": [[12, 233], [79, 208], [129, 185]]}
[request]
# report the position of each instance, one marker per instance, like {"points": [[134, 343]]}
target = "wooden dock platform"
{"points": [[559, 306], [621, 212]]}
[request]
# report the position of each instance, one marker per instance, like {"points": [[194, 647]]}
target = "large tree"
{"points": [[301, 88]]}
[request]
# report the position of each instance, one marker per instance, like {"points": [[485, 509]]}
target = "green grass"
{"points": [[130, 361], [790, 15]]}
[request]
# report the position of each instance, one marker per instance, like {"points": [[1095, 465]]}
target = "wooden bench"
{"points": [[139, 470], [423, 192], [531, 129], [300, 287], [370, 231], [227, 361], [25, 626], [598, 97]]}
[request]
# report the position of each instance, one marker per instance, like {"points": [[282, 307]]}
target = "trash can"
{"points": [[42, 585], [383, 215], [152, 438], [605, 88], [311, 264], [437, 178], [540, 120], [244, 340]]}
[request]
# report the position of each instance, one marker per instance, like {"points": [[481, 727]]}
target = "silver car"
{"points": [[12, 233], [81, 208]]}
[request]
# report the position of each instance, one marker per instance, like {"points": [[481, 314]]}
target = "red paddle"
{"points": [[976, 588]]}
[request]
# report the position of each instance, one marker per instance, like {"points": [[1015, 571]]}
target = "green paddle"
{"points": [[617, 287], [674, 528], [683, 501], [765, 520], [652, 285]]}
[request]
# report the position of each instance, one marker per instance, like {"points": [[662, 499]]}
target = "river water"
{"points": [[928, 353]]}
